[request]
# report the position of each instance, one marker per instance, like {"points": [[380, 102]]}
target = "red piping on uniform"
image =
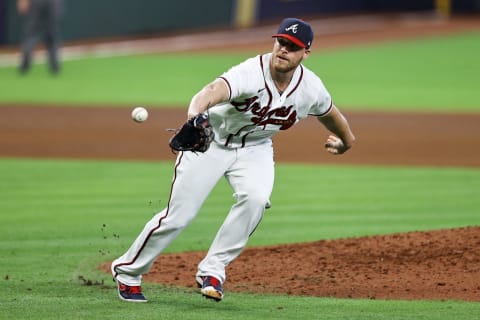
{"points": [[159, 221], [229, 87], [270, 97], [298, 83], [322, 114]]}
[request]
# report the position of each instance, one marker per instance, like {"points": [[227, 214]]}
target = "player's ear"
{"points": [[306, 54]]}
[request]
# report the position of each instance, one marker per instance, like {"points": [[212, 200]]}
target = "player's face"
{"points": [[286, 55]]}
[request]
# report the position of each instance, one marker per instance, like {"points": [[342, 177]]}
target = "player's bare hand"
{"points": [[335, 145]]}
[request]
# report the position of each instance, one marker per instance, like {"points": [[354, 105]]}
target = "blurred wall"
{"points": [[269, 9], [90, 19], [466, 6], [87, 19], [274, 9], [3, 19]]}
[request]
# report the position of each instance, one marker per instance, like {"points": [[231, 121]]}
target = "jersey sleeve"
{"points": [[242, 79], [323, 101]]}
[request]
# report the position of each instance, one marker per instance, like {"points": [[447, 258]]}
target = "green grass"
{"points": [[154, 80], [426, 74], [91, 302], [60, 219], [429, 74]]}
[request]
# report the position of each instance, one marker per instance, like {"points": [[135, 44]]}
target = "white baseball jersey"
{"points": [[256, 110]]}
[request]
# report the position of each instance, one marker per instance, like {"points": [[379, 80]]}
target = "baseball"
{"points": [[139, 114]]}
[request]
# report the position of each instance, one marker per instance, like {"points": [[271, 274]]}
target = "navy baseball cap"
{"points": [[297, 31]]}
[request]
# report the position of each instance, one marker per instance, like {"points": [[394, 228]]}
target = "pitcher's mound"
{"points": [[433, 265]]}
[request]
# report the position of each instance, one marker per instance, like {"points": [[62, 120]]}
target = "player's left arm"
{"points": [[342, 138]]}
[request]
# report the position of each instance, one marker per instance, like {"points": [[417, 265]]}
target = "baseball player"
{"points": [[246, 106]]}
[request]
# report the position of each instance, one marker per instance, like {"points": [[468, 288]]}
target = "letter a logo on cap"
{"points": [[293, 28]]}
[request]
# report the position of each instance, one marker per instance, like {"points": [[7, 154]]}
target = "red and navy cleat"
{"points": [[130, 293], [212, 288]]}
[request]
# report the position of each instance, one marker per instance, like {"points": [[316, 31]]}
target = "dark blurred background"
{"points": [[96, 19]]}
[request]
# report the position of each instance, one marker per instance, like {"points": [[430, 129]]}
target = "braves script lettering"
{"points": [[285, 117]]}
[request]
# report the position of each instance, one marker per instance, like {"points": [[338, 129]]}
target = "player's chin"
{"points": [[282, 65]]}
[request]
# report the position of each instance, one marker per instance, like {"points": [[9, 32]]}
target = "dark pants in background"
{"points": [[42, 22]]}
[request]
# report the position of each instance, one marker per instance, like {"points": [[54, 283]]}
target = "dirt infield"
{"points": [[109, 133], [443, 264]]}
